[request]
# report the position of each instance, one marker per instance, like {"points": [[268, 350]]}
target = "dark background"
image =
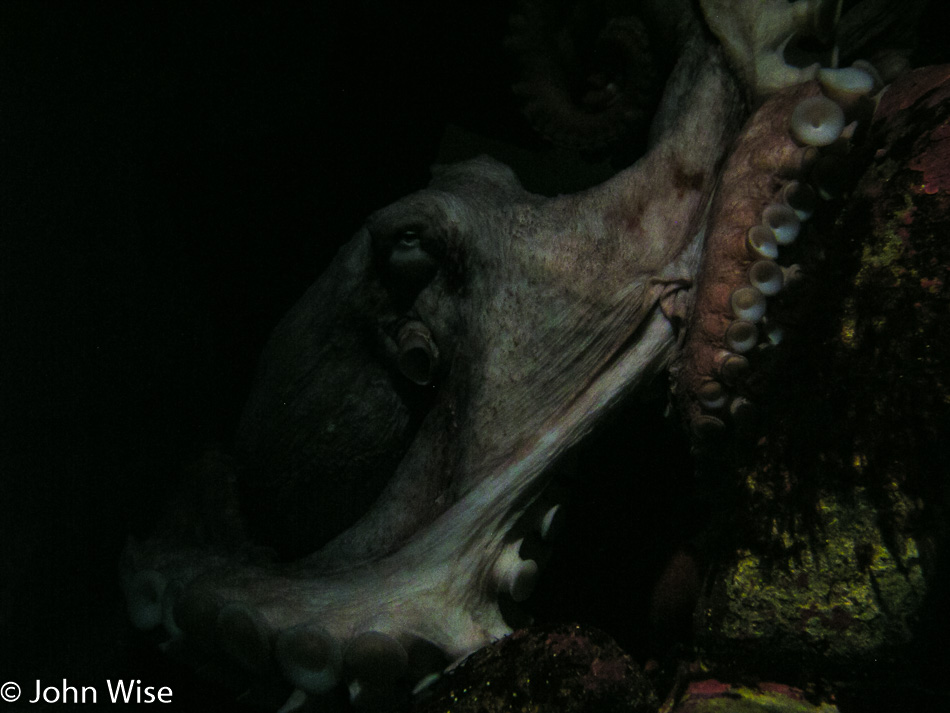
{"points": [[172, 177]]}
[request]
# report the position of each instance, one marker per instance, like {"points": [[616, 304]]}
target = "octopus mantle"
{"points": [[387, 506]]}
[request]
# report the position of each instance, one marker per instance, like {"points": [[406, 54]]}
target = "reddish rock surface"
{"points": [[561, 669]]}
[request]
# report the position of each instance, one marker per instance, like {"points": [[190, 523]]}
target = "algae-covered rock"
{"points": [[555, 669], [712, 696], [841, 597], [831, 557]]}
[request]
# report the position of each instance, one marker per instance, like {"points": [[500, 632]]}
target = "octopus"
{"points": [[387, 506]]}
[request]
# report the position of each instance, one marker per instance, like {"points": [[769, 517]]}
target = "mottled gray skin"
{"points": [[532, 303]]}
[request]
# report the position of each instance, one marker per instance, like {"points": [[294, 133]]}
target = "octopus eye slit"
{"points": [[408, 239]]}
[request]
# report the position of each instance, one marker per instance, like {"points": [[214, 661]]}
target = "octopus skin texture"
{"points": [[385, 508]]}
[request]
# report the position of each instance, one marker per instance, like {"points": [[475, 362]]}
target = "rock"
{"points": [[712, 696], [832, 541], [561, 669]]}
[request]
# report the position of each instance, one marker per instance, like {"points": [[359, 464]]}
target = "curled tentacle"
{"points": [[586, 80]]}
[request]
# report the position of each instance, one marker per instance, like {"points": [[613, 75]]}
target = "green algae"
{"points": [[749, 700], [845, 595], [830, 559]]}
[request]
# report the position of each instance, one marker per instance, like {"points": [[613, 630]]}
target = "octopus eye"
{"points": [[410, 263], [408, 240]]}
